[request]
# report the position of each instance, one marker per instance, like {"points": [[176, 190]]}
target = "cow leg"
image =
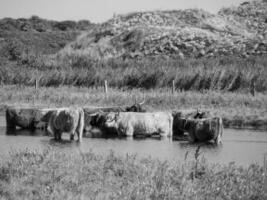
{"points": [[192, 137], [218, 140], [10, 119], [72, 135], [59, 135], [163, 135], [80, 125], [130, 132], [55, 135], [220, 131]]}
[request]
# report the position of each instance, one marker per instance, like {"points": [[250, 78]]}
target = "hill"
{"points": [[20, 37], [240, 31]]}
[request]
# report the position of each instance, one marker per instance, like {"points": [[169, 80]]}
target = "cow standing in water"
{"points": [[96, 117], [146, 124], [202, 130], [68, 120], [180, 116]]}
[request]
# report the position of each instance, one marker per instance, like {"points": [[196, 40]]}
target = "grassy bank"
{"points": [[219, 74], [53, 174], [237, 109]]}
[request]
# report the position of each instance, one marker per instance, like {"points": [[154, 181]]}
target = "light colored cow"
{"points": [[204, 129], [68, 120], [94, 116], [147, 124]]}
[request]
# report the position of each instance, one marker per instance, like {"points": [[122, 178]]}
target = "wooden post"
{"points": [[106, 86], [173, 87], [36, 85], [36, 88], [265, 167], [252, 87]]}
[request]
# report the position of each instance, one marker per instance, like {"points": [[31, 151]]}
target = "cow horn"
{"points": [[141, 103], [93, 114]]}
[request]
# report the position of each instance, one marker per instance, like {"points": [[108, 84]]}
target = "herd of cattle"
{"points": [[124, 121]]}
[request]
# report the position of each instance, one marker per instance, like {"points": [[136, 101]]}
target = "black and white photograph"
{"points": [[133, 99]]}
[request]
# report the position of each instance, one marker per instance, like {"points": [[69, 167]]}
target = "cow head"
{"points": [[111, 120], [200, 114], [98, 119], [137, 107]]}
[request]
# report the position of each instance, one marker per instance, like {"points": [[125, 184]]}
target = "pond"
{"points": [[243, 147]]}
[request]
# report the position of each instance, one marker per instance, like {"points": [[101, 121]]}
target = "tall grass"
{"points": [[218, 74], [55, 174]]}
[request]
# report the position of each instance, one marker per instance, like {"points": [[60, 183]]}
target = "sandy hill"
{"points": [[240, 31]]}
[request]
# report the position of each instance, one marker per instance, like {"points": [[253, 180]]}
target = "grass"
{"points": [[237, 109], [217, 74], [55, 174]]}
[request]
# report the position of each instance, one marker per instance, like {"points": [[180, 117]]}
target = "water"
{"points": [[243, 147]]}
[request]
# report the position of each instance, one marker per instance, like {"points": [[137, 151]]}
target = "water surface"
{"points": [[240, 146]]}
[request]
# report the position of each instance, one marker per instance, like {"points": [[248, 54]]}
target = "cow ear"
{"points": [[117, 115]]}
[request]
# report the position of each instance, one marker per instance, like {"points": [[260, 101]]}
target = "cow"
{"points": [[179, 116], [146, 124], [95, 117], [202, 130], [27, 117], [68, 120]]}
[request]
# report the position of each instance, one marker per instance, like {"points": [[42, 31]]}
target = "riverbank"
{"points": [[238, 110], [54, 174]]}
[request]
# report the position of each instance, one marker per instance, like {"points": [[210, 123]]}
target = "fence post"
{"points": [[252, 87], [265, 168], [106, 86], [36, 88], [36, 84], [173, 87]]}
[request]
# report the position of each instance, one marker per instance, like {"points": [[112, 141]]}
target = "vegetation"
{"points": [[36, 36], [190, 33], [218, 74], [55, 174]]}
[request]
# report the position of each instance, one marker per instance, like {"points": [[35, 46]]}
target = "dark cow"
{"points": [[28, 118], [179, 116], [68, 120], [202, 130], [137, 107]]}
